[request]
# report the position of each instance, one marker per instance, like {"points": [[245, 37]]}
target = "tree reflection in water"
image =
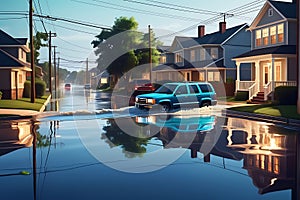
{"points": [[132, 146]]}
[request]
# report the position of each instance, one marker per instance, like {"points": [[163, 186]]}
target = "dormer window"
{"points": [[270, 12]]}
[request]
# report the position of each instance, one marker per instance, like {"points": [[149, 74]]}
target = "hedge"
{"points": [[241, 96], [286, 95], [40, 88]]}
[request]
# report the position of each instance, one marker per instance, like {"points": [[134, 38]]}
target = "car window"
{"points": [[181, 90], [167, 88], [205, 88], [193, 89]]}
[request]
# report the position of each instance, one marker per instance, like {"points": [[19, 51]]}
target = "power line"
{"points": [[71, 29], [247, 8], [73, 21], [73, 44], [136, 10], [40, 17]]}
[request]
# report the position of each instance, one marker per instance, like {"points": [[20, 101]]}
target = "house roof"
{"points": [[196, 65], [212, 38], [6, 39], [283, 49], [287, 9], [7, 60], [23, 41]]}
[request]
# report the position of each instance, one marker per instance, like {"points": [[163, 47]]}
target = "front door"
{"points": [[266, 75]]}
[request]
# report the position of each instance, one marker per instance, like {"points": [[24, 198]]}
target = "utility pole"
{"points": [[58, 71], [150, 53], [32, 95], [50, 58], [54, 67], [87, 71], [298, 55]]}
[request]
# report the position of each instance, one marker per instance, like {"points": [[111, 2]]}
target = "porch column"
{"points": [[257, 74], [273, 77], [238, 78]]}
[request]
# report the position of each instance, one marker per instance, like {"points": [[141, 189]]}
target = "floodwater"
{"points": [[141, 156]]}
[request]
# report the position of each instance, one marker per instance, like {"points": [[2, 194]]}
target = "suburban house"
{"points": [[273, 51], [207, 57], [13, 65]]}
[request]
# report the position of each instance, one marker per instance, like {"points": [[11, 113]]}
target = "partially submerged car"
{"points": [[178, 95]]}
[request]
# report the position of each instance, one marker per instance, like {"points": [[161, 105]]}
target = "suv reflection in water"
{"points": [[179, 123]]}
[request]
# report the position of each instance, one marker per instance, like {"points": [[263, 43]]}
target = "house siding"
{"points": [[266, 19], [237, 45], [292, 68], [4, 87], [292, 33]]}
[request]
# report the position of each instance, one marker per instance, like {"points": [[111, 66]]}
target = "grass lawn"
{"points": [[23, 103], [288, 111]]}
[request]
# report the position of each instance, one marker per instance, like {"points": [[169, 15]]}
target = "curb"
{"points": [[45, 104], [261, 117]]}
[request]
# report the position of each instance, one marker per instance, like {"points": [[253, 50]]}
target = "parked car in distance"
{"points": [[178, 94], [87, 86], [134, 84], [68, 86], [146, 87]]}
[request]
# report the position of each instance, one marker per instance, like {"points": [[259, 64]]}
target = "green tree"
{"points": [[38, 43], [116, 54]]}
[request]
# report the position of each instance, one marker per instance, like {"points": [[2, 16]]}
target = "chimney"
{"points": [[201, 31], [222, 27]]}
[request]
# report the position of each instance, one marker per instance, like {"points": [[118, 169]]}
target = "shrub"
{"points": [[0, 94], [40, 88], [27, 89], [241, 96], [286, 95]]}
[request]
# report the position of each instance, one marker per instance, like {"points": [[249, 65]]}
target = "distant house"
{"points": [[207, 57], [273, 52], [13, 65]]}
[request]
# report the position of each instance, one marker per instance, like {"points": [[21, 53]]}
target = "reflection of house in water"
{"points": [[14, 135], [269, 157]]}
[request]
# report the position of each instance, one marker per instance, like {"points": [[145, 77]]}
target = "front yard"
{"points": [[287, 111], [24, 103]]}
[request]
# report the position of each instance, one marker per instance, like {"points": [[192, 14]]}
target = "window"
{"points": [[193, 56], [202, 54], [266, 36], [213, 76], [163, 59], [258, 38], [277, 71], [205, 88], [181, 90], [178, 57], [214, 53], [270, 13], [280, 33], [201, 76], [20, 78], [193, 89], [273, 35]]}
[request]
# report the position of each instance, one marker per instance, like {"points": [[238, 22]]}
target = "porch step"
{"points": [[259, 98]]}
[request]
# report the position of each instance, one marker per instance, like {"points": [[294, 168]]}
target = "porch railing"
{"points": [[285, 83], [244, 85], [253, 90], [268, 88]]}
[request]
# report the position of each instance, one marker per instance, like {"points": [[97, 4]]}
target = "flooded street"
{"points": [[125, 154]]}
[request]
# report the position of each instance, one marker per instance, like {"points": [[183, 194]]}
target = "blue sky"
{"points": [[75, 44]]}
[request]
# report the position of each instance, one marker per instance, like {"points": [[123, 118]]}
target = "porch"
{"points": [[253, 88], [268, 71]]}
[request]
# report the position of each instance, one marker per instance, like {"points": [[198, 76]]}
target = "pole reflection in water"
{"points": [[33, 128]]}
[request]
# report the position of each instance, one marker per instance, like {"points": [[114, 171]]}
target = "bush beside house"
{"points": [[40, 88], [286, 95]]}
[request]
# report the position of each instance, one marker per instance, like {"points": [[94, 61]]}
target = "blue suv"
{"points": [[178, 95]]}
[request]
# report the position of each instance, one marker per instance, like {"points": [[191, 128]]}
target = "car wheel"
{"points": [[165, 107], [205, 104]]}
